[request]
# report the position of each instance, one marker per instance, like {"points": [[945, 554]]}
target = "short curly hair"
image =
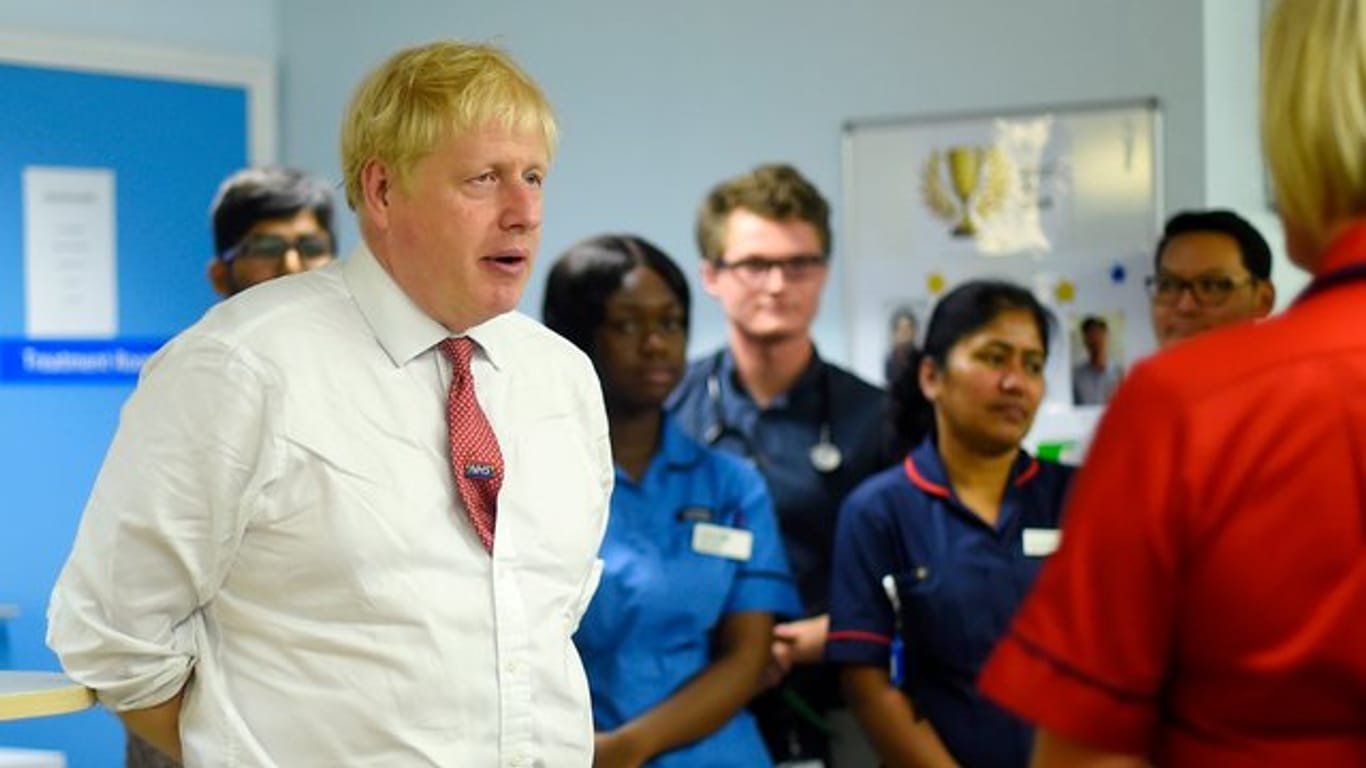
{"points": [[776, 191], [427, 94]]}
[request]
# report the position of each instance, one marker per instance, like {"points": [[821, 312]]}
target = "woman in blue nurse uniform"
{"points": [[676, 639], [933, 557]]}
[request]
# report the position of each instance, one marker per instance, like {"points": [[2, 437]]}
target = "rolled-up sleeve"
{"points": [[861, 617], [191, 454]]}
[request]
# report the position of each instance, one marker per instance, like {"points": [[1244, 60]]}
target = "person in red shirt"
{"points": [[1207, 605]]}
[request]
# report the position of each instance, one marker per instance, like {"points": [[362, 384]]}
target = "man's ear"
{"points": [[1266, 298], [219, 277], [377, 186], [710, 274]]}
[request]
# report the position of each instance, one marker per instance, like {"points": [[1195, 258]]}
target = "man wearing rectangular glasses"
{"points": [[813, 429], [1213, 269], [269, 222]]}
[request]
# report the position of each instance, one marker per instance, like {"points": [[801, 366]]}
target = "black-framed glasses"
{"points": [[755, 269], [1208, 290], [273, 248]]}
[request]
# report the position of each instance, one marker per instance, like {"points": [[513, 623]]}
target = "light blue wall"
{"points": [[1234, 170], [659, 101], [240, 27]]}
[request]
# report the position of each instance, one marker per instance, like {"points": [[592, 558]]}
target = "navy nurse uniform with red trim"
{"points": [[958, 582]]}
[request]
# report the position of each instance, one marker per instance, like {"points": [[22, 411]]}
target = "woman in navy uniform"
{"points": [[932, 557], [677, 636]]}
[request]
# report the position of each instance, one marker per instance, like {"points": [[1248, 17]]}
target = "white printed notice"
{"points": [[71, 284]]}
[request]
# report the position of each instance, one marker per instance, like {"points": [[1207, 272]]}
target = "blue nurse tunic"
{"points": [[664, 589]]}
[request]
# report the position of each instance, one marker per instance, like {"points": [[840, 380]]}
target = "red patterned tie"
{"points": [[476, 460]]}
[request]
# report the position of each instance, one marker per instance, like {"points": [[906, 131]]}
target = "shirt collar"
{"points": [[677, 452], [1346, 249], [926, 471], [494, 337], [404, 331], [676, 448], [809, 378]]}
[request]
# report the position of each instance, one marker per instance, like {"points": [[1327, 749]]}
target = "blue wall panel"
{"points": [[169, 144]]}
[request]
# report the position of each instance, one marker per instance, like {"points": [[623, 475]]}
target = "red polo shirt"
{"points": [[1208, 603]]}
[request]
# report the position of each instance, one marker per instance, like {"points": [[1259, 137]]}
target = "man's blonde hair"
{"points": [[424, 95], [1314, 111]]}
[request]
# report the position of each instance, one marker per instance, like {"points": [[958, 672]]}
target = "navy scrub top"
{"points": [[649, 628], [958, 580], [778, 440]]}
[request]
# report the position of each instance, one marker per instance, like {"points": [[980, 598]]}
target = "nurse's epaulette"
{"points": [[695, 515]]}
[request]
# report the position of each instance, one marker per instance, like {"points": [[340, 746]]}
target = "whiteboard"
{"points": [[1063, 200]]}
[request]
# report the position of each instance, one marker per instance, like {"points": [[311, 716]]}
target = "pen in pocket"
{"points": [[896, 666]]}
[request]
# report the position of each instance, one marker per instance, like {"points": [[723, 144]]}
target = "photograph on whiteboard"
{"points": [[904, 330], [1098, 362]]}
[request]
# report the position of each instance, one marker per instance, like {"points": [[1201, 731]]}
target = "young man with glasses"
{"points": [[1213, 269], [269, 222], [813, 429]]}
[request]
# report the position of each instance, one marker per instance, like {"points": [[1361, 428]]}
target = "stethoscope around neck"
{"points": [[825, 456]]}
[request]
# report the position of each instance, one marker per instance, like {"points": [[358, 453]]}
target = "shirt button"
{"points": [[513, 667]]}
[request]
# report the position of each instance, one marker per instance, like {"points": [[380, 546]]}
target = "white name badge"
{"points": [[718, 540], [1041, 542]]}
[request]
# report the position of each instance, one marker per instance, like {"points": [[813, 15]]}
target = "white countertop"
{"points": [[31, 758], [38, 694]]}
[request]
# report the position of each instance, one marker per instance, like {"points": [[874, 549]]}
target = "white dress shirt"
{"points": [[276, 523]]}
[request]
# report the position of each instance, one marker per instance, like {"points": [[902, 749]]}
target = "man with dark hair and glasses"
{"points": [[1213, 268], [269, 222], [814, 430]]}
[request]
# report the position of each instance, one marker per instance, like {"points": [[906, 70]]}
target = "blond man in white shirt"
{"points": [[275, 567]]}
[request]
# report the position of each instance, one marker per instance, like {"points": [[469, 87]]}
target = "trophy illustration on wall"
{"points": [[978, 185]]}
